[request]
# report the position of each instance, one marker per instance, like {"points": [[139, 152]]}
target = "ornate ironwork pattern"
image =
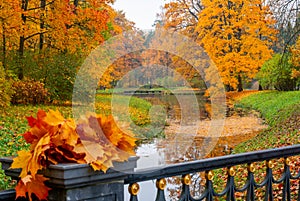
{"points": [[248, 190]]}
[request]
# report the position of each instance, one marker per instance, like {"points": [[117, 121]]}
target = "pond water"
{"points": [[180, 125]]}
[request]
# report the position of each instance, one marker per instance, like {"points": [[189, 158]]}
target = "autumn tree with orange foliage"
{"points": [[127, 52], [54, 26], [41, 38], [9, 26], [237, 35]]}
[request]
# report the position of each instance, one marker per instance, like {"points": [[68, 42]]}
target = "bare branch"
{"points": [[36, 8], [38, 33]]}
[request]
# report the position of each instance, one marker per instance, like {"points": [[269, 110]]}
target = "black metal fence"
{"points": [[231, 189]]}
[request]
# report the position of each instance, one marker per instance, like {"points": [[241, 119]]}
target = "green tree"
{"points": [[276, 73]]}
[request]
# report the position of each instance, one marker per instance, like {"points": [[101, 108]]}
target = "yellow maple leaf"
{"points": [[103, 141], [39, 155], [22, 162], [65, 134], [53, 118]]}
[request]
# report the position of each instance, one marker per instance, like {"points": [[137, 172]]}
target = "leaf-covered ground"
{"points": [[239, 126]]}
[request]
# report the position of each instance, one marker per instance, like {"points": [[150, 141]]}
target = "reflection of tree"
{"points": [[197, 186]]}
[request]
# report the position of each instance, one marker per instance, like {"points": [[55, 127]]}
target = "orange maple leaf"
{"points": [[32, 185], [36, 122], [103, 141]]}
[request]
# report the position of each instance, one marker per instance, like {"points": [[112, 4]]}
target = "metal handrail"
{"points": [[230, 190], [212, 163]]}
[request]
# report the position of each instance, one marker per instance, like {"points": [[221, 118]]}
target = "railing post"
{"points": [[161, 185], [231, 185], [269, 178], [79, 182], [209, 175], [133, 190], [251, 185], [286, 192]]}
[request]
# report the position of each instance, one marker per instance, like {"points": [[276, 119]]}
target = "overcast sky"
{"points": [[142, 12]]}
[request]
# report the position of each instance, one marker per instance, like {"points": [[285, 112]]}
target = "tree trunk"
{"points": [[228, 88], [76, 3], [240, 84], [20, 58], [42, 23], [3, 47], [22, 43]]}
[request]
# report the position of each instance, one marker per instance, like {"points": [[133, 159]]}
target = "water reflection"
{"points": [[150, 155], [182, 119], [156, 154], [181, 126]]}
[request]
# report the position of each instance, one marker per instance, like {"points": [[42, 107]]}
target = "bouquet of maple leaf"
{"points": [[95, 140]]}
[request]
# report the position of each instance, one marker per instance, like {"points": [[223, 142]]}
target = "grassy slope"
{"points": [[281, 111]]}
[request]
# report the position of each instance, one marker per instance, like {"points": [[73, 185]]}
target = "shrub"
{"points": [[56, 70], [6, 90], [60, 74], [29, 92], [276, 74]]}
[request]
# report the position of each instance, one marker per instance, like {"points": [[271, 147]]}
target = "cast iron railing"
{"points": [[79, 182], [231, 189]]}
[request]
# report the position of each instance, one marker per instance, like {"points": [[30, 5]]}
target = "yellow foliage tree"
{"points": [[237, 36], [9, 26]]}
